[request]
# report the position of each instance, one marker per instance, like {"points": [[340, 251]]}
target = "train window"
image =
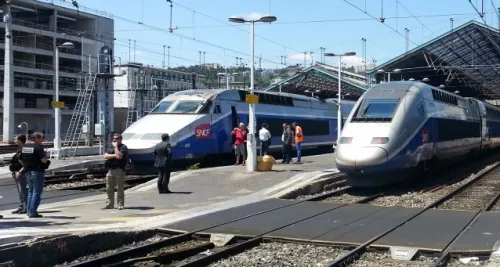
{"points": [[130, 136], [186, 106], [206, 108], [421, 110], [152, 136], [311, 127], [163, 107], [217, 109], [378, 108]]}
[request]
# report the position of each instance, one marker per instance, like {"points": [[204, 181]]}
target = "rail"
{"points": [[125, 257], [361, 249]]}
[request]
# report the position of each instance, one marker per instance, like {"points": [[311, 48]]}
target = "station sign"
{"points": [[252, 99], [57, 104]]}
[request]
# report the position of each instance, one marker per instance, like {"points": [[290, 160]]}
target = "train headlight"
{"points": [[380, 140], [345, 140]]}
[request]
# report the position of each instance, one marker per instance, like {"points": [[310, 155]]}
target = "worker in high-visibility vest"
{"points": [[299, 138]]}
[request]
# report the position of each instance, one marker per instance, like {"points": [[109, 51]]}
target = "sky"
{"points": [[301, 26]]}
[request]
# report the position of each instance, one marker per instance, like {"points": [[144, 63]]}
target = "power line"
{"points": [[318, 21], [225, 23], [113, 16], [414, 16]]}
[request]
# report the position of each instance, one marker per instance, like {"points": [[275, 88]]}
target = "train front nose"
{"points": [[352, 158]]}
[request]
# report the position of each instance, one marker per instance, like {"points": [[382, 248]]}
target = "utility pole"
{"points": [[199, 57], [407, 33], [204, 62], [168, 56], [8, 82], [260, 62], [129, 48], [134, 51], [163, 56], [321, 55], [305, 54]]}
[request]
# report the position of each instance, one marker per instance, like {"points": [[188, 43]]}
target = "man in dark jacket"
{"points": [[163, 153], [287, 139], [21, 183], [35, 162]]}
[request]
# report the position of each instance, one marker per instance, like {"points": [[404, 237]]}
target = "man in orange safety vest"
{"points": [[299, 138]]}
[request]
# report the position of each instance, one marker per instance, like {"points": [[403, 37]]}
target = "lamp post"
{"points": [[339, 111], [20, 126], [389, 73], [251, 142], [57, 110]]}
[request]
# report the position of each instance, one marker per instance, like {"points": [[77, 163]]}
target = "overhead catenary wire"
{"points": [[113, 16]]}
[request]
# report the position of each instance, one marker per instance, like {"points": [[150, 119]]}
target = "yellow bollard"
{"points": [[265, 163]]}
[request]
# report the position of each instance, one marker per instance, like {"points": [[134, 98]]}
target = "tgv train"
{"points": [[200, 122], [398, 128]]}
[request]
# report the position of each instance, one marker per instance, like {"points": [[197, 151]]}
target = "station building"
{"points": [[37, 29]]}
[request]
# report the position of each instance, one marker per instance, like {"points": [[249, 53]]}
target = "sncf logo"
{"points": [[202, 131]]}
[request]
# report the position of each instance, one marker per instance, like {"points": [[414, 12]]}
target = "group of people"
{"points": [[292, 134], [116, 161], [27, 167]]}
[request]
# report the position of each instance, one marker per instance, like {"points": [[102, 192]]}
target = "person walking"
{"points": [[287, 140], [299, 138], [163, 154], [35, 162], [265, 139], [116, 160], [239, 143], [21, 183]]}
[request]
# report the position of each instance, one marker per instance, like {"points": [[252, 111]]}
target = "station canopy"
{"points": [[321, 80], [464, 60]]}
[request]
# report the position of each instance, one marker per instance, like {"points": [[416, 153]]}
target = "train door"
{"points": [[234, 122]]}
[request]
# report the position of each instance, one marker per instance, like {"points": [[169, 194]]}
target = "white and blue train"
{"points": [[200, 122], [398, 128]]}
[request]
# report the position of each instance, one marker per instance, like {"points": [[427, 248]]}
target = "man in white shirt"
{"points": [[265, 139]]}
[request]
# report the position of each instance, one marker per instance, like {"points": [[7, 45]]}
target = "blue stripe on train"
{"points": [[220, 139]]}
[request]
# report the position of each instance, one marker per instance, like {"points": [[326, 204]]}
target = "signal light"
{"points": [[380, 140]]}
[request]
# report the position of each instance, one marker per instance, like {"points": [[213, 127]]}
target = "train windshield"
{"points": [[187, 106], [378, 108], [162, 107]]}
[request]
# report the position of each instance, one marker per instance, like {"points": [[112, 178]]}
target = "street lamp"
{"points": [[20, 126], [389, 73], [339, 112], [57, 110], [251, 142]]}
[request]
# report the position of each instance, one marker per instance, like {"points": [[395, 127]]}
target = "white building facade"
{"points": [[37, 29]]}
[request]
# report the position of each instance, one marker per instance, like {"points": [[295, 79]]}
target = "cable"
{"points": [[225, 23], [414, 16], [113, 16]]}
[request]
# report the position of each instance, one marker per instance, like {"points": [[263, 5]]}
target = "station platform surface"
{"points": [[353, 224], [195, 193]]}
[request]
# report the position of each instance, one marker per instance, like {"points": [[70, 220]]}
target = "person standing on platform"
{"points": [[299, 138], [287, 139], [21, 183], [239, 144], [265, 139], [35, 162], [163, 154], [116, 160]]}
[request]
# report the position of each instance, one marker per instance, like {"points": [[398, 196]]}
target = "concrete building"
{"points": [[141, 87], [37, 29]]}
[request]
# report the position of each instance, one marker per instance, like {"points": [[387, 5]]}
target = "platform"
{"points": [[353, 224], [195, 193]]}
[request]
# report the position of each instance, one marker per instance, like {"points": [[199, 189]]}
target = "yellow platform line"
{"points": [[119, 219], [221, 197], [159, 211], [193, 204], [242, 191]]}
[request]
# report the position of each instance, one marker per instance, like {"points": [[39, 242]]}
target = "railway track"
{"points": [[193, 249]]}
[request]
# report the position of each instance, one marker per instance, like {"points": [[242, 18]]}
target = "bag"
{"points": [[46, 165]]}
